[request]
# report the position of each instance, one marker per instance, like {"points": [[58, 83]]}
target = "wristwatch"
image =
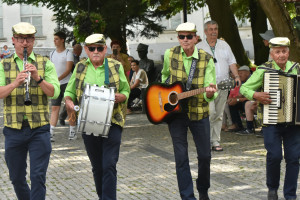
{"points": [[41, 79], [237, 99]]}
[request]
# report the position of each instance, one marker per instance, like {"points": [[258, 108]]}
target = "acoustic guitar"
{"points": [[162, 100]]}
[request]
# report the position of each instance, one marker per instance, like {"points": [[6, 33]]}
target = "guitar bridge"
{"points": [[160, 102]]}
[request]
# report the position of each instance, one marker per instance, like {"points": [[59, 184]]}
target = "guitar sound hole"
{"points": [[173, 99]]}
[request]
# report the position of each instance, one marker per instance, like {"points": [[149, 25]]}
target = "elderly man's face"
{"points": [[280, 55], [23, 41], [244, 74], [96, 53], [211, 32], [187, 40]]}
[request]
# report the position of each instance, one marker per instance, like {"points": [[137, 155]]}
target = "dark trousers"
{"points": [[37, 143], [178, 128], [104, 154], [274, 137], [235, 113], [134, 93]]}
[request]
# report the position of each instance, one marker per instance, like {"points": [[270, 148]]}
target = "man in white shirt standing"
{"points": [[63, 60], [224, 61]]}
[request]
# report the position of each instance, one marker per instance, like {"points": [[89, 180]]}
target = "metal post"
{"points": [[184, 11]]}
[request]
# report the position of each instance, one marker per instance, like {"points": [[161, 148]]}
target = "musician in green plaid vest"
{"points": [[103, 152], [277, 136], [26, 127], [179, 63]]}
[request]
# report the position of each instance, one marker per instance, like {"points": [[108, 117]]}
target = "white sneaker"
{"points": [[52, 135], [72, 135], [52, 138]]}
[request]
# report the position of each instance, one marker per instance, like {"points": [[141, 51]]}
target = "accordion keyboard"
{"points": [[281, 90]]}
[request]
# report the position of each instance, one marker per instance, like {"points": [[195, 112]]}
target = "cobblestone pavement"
{"points": [[146, 168]]}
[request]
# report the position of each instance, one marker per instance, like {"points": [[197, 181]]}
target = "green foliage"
{"points": [[87, 24], [240, 9], [115, 16]]}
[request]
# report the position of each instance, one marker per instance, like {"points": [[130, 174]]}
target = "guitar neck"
{"points": [[190, 93]]}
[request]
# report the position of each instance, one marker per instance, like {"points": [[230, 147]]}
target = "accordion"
{"points": [[285, 95]]}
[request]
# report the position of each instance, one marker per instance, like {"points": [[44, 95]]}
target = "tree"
{"points": [[112, 18], [221, 12], [259, 25], [281, 22]]}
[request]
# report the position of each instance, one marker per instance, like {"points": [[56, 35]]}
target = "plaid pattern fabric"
{"points": [[119, 112], [197, 106], [14, 108]]}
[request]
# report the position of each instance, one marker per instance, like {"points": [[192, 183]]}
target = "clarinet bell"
{"points": [[27, 101]]}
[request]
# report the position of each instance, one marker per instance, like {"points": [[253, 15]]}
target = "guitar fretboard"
{"points": [[190, 93]]}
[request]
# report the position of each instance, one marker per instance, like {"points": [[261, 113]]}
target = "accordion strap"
{"points": [[294, 65], [279, 71]]}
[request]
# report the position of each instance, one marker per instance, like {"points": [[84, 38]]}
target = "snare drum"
{"points": [[96, 108]]}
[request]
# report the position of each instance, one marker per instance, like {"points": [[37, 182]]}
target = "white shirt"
{"points": [[60, 61], [223, 55], [142, 76]]}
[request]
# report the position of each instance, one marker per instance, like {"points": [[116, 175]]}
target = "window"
{"points": [[172, 23], [33, 15], [1, 20]]}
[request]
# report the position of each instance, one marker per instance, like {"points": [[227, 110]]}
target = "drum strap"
{"points": [[106, 72]]}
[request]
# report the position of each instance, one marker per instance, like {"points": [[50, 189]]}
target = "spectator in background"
{"points": [[6, 52], [238, 103], [63, 60], [139, 80], [267, 36], [121, 57], [224, 62], [130, 58], [77, 50], [145, 63]]}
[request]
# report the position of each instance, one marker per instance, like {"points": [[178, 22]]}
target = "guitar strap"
{"points": [[192, 72]]}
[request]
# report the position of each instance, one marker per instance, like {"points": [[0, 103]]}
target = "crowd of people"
{"points": [[30, 129]]}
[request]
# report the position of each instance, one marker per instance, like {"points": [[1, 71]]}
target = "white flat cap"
{"points": [[95, 39], [23, 28], [187, 26], [279, 42]]}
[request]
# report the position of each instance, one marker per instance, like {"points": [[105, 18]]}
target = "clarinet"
{"points": [[27, 101]]}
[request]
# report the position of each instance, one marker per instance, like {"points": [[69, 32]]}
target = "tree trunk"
{"points": [[258, 25], [282, 25], [221, 12]]}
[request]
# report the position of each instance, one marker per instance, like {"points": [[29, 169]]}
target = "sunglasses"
{"points": [[99, 49], [189, 37], [215, 60]]}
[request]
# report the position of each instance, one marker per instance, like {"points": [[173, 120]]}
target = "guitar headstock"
{"points": [[226, 84]]}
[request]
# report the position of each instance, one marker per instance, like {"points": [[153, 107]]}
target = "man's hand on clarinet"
{"points": [[20, 79], [32, 69]]}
